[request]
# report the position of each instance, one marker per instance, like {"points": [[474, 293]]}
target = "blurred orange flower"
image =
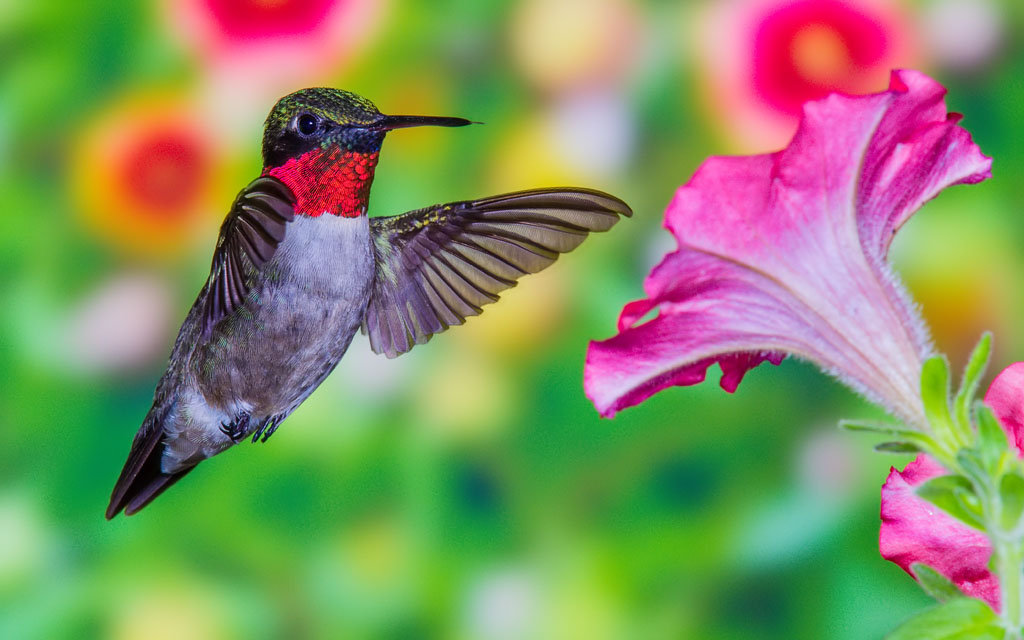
{"points": [[144, 172], [764, 58]]}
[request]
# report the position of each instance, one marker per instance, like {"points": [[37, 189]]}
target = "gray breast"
{"points": [[329, 254], [303, 313]]}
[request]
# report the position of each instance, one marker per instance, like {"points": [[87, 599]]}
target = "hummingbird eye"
{"points": [[307, 124]]}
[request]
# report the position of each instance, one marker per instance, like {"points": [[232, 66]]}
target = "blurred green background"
{"points": [[467, 489]]}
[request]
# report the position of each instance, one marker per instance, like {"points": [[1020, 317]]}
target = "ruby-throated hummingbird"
{"points": [[299, 267]]}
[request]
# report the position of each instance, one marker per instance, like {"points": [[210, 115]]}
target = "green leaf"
{"points": [[974, 466], [1011, 495], [935, 397], [972, 376], [922, 441], [897, 447], [957, 619], [953, 495], [934, 583], [991, 438], [969, 502], [874, 426]]}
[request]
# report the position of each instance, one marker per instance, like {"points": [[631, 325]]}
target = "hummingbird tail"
{"points": [[142, 479]]}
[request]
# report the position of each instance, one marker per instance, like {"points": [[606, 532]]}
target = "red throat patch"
{"points": [[332, 180]]}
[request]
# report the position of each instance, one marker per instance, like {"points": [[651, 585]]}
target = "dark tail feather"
{"points": [[141, 480], [159, 483]]}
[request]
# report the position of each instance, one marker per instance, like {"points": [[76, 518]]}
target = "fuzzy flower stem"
{"points": [[982, 456], [1009, 563]]}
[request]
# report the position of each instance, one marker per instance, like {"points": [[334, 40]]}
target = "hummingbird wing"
{"points": [[250, 235], [438, 265]]}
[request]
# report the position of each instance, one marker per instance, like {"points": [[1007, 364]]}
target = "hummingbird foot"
{"points": [[268, 428], [237, 428]]}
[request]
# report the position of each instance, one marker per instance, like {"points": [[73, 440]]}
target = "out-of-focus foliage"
{"points": [[467, 489]]}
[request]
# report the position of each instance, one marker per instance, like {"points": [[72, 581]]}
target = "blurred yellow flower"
{"points": [[530, 316], [465, 398], [962, 289], [184, 609], [144, 172], [376, 553], [527, 155], [572, 44]]}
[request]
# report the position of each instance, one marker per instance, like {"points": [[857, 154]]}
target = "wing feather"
{"points": [[439, 265], [250, 235]]}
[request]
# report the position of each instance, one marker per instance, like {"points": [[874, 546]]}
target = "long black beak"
{"points": [[387, 123]]}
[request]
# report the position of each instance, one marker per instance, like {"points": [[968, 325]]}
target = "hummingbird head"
{"points": [[321, 118]]}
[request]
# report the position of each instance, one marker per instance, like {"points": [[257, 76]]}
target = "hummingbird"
{"points": [[299, 267]]}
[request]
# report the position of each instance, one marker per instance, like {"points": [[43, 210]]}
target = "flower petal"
{"points": [[785, 253], [1006, 399], [915, 530], [917, 151]]}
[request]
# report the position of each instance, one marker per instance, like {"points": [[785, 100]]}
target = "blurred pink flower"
{"points": [[915, 530], [965, 35], [786, 253], [268, 48], [284, 32], [765, 58], [803, 50], [122, 326]]}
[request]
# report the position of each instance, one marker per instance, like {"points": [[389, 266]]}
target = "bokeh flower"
{"points": [[963, 35], [762, 59], [786, 253], [586, 126], [914, 530], [267, 49], [122, 326], [574, 45], [311, 35], [144, 174]]}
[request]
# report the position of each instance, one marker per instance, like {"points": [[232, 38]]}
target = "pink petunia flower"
{"points": [[915, 530], [785, 253]]}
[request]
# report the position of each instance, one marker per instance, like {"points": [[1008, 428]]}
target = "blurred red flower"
{"points": [[244, 20], [808, 48], [143, 174], [765, 58]]}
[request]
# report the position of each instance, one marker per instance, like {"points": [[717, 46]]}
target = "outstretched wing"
{"points": [[250, 235], [438, 265]]}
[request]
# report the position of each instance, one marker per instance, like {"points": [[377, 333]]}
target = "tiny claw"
{"points": [[267, 429], [237, 428], [273, 427]]}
